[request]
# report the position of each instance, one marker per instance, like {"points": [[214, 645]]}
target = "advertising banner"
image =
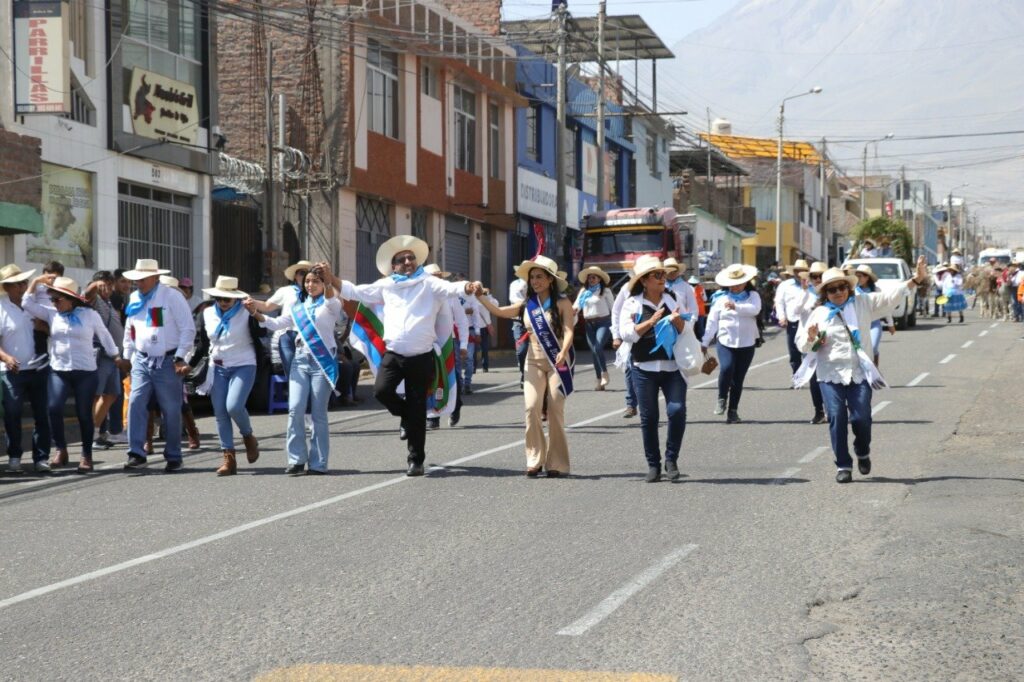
{"points": [[67, 205], [42, 74], [537, 198], [163, 108], [590, 168]]}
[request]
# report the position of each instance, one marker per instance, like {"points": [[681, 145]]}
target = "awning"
{"points": [[20, 219]]}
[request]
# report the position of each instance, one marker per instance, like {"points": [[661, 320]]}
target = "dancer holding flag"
{"points": [[548, 317], [411, 301], [314, 369], [459, 323]]}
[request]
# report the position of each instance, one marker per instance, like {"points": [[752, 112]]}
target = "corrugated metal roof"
{"points": [[763, 147]]}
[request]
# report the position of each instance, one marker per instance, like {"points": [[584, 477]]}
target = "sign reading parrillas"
{"points": [[163, 108]]}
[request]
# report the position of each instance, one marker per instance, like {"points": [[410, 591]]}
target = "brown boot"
{"points": [[59, 459], [229, 467], [148, 445], [191, 430], [252, 448]]}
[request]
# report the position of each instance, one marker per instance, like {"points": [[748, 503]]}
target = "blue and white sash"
{"points": [[548, 342], [311, 337]]}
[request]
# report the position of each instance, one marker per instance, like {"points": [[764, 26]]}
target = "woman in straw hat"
{"points": [[596, 301], [548, 318], [283, 299], [733, 323], [867, 284], [228, 334], [837, 341], [648, 326], [314, 371], [73, 326], [953, 290]]}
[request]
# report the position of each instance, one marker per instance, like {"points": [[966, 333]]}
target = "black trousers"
{"points": [[417, 372], [796, 358]]}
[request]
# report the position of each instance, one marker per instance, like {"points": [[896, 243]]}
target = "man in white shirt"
{"points": [[22, 379], [620, 300], [159, 334], [789, 301], [475, 315], [517, 294], [412, 300]]}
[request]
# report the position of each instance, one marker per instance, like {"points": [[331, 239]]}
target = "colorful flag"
{"points": [[442, 390], [367, 335]]}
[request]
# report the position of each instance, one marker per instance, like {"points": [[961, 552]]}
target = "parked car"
{"points": [[893, 272]]}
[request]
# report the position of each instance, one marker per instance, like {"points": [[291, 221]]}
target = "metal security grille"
{"points": [[485, 256], [372, 230], [456, 245], [238, 244], [154, 224], [419, 224]]}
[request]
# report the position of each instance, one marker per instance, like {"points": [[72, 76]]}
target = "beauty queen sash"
{"points": [[311, 337], [548, 342]]}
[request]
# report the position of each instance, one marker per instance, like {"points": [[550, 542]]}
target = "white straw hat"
{"points": [[289, 272], [834, 275], [645, 265], [672, 264], [865, 269], [547, 265], [396, 245], [12, 274], [144, 267], [66, 287], [225, 287], [736, 274], [435, 269], [594, 270]]}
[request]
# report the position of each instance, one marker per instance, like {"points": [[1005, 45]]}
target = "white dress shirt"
{"points": [[177, 335], [620, 300], [598, 305], [70, 345], [733, 328], [789, 300], [234, 348], [324, 319], [16, 332], [461, 322], [627, 328], [410, 309], [285, 297], [685, 294]]}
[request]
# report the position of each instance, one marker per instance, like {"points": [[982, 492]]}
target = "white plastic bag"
{"points": [[687, 351]]}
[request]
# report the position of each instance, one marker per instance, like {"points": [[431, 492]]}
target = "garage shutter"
{"points": [[456, 245]]}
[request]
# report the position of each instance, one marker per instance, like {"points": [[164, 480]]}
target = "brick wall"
{"points": [[484, 14], [21, 159]]}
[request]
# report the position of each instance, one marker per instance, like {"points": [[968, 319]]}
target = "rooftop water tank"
{"points": [[721, 126]]}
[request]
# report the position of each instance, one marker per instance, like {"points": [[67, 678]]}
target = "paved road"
{"points": [[755, 566]]}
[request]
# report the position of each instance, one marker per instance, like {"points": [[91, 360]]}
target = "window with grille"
{"points": [[165, 36], [373, 228], [428, 80], [532, 133], [381, 89], [465, 129], [419, 224], [153, 223], [494, 123]]}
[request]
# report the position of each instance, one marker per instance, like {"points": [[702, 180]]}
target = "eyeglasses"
{"points": [[657, 274], [837, 290], [815, 277], [222, 299], [410, 258]]}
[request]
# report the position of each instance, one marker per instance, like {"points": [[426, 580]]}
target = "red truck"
{"points": [[613, 240]]}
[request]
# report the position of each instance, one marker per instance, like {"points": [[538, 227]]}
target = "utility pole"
{"points": [[821, 197], [268, 202], [949, 226], [863, 182], [562, 13], [778, 190], [902, 195], [707, 180], [601, 198]]}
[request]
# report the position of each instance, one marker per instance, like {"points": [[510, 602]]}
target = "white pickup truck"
{"points": [[893, 272]]}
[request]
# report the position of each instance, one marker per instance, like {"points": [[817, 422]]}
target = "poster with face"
{"points": [[67, 207]]}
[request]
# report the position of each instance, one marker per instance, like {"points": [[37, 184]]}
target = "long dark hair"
{"points": [[870, 286], [556, 317]]}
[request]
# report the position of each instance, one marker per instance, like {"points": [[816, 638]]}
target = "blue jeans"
{"points": [[630, 383], [876, 335], [150, 381], [231, 387], [469, 364], [598, 335], [848, 405], [286, 348], [733, 364], [673, 386], [82, 384], [517, 333], [33, 385], [796, 358], [307, 379]]}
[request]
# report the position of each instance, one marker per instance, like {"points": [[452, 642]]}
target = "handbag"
{"points": [[710, 364], [196, 376], [687, 351]]}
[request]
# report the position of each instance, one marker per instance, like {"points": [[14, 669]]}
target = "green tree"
{"points": [[882, 228]]}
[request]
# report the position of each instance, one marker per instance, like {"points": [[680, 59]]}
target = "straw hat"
{"points": [[834, 275], [12, 274], [693, 280], [865, 269], [956, 252], [435, 269], [547, 265], [169, 281], [225, 287], [289, 272], [66, 286], [396, 245], [644, 266], [594, 270], [672, 264], [868, 242], [800, 266], [940, 268], [953, 267], [736, 274], [144, 267], [818, 267]]}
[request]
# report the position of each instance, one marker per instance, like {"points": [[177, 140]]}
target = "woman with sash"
{"points": [[548, 318], [837, 340], [228, 335], [866, 284], [314, 371], [650, 322], [733, 323], [595, 300]]}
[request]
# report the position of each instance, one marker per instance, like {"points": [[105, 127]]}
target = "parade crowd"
{"points": [[126, 346]]}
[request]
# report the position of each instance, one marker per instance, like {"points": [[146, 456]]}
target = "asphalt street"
{"points": [[756, 565]]}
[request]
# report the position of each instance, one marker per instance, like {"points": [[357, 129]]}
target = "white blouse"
{"points": [[325, 318], [627, 328], [733, 328], [234, 348], [598, 305], [71, 344]]}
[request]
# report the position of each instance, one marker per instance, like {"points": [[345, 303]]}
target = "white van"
{"points": [[893, 272]]}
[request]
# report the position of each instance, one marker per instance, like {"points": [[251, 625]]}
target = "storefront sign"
{"points": [[41, 57], [590, 168], [537, 198], [67, 206], [163, 108]]}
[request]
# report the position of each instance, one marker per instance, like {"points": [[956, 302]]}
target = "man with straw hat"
{"points": [[677, 284], [790, 298], [22, 380], [159, 334], [412, 300]]}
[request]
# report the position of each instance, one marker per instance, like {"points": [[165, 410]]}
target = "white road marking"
{"points": [[761, 364], [810, 456], [983, 332], [786, 475], [947, 359], [918, 379], [619, 597], [374, 413], [993, 325], [880, 406], [967, 344]]}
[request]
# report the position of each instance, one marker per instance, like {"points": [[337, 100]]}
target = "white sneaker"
{"points": [[309, 423], [118, 438], [42, 467], [14, 465]]}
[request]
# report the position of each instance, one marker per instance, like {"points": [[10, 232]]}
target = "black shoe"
{"points": [[414, 469], [864, 465], [433, 423], [296, 470], [732, 417], [316, 472], [173, 465], [819, 418], [454, 419], [135, 462], [653, 474], [467, 391], [402, 435], [672, 470], [844, 476]]}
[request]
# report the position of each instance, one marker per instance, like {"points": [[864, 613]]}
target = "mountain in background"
{"points": [[910, 67]]}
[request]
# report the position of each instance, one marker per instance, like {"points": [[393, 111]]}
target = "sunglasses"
{"points": [[656, 275], [411, 258], [223, 299], [837, 290], [815, 277]]}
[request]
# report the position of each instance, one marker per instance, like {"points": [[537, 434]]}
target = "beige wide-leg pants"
{"points": [[551, 453]]}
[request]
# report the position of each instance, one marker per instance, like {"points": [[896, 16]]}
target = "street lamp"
{"points": [[949, 217], [778, 172], [864, 172]]}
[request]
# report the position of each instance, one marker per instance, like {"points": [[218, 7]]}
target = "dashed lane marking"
{"points": [[983, 332], [947, 359], [880, 406], [918, 379], [967, 344], [993, 325], [760, 364], [813, 454]]}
